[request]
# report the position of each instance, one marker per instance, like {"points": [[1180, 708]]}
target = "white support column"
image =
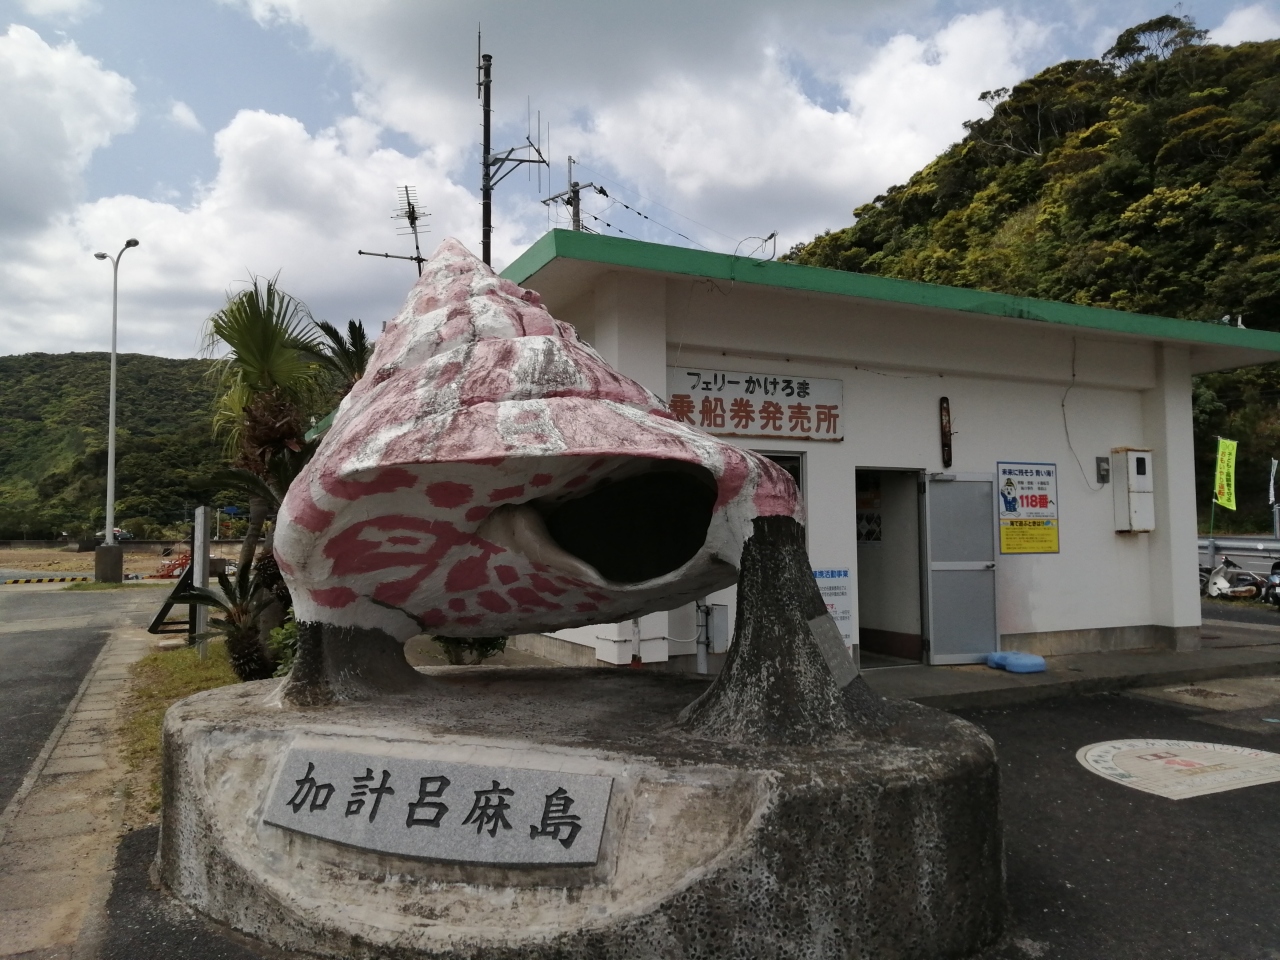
{"points": [[1175, 583], [631, 327]]}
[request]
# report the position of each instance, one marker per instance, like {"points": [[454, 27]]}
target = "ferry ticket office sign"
{"points": [[1028, 495], [732, 403]]}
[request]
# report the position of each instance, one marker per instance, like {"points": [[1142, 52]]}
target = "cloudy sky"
{"points": [[238, 137]]}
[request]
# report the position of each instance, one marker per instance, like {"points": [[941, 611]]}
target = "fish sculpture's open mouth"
{"points": [[491, 474]]}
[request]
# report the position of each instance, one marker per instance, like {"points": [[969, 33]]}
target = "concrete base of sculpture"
{"points": [[435, 824]]}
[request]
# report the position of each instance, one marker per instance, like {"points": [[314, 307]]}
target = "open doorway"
{"points": [[890, 631]]}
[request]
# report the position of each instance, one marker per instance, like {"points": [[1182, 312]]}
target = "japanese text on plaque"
{"points": [[738, 404]]}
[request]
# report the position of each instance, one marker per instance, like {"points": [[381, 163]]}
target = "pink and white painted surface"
{"points": [[418, 511]]}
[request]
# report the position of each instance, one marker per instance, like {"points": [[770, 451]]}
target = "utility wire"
{"points": [[615, 200], [636, 193]]}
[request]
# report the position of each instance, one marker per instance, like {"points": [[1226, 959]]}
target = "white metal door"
{"points": [[961, 548]]}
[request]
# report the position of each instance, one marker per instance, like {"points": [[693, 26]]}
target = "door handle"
{"points": [[991, 566]]}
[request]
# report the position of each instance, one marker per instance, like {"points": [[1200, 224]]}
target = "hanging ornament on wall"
{"points": [[944, 423]]}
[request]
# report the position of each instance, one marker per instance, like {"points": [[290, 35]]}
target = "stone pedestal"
{"points": [[883, 845], [108, 563]]}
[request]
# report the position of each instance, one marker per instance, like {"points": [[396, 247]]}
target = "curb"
{"points": [[1085, 686]]}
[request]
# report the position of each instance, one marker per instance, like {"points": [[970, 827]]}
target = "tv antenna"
{"points": [[495, 167], [572, 198], [407, 211]]}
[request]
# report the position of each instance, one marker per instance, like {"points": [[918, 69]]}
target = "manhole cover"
{"points": [[1178, 769]]}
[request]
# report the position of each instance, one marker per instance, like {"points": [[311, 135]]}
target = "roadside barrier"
{"points": [[50, 580]]}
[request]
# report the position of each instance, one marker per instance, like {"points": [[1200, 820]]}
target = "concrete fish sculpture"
{"points": [[492, 474]]}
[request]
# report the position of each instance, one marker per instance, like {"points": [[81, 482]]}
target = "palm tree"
{"points": [[346, 357], [241, 603], [268, 380]]}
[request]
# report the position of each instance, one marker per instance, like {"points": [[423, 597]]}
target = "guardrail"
{"points": [[1254, 546]]}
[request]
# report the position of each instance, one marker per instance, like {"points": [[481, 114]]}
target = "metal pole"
{"points": [[486, 176], [110, 538], [703, 640], [111, 409], [200, 577]]}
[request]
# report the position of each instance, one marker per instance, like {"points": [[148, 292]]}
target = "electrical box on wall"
{"points": [[1133, 490]]}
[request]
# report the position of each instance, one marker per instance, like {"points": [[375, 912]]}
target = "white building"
{"points": [[1016, 540]]}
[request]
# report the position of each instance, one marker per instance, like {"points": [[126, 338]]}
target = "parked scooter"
{"points": [[1271, 592], [1232, 582]]}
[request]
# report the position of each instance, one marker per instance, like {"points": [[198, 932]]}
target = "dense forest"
{"points": [[1147, 180], [53, 444]]}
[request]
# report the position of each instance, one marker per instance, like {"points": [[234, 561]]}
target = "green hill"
{"points": [[1148, 180], [53, 440]]}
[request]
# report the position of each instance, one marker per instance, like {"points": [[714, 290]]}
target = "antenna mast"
{"points": [[493, 166], [408, 211]]}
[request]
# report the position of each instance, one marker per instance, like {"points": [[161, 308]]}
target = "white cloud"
{"points": [[57, 106], [283, 200], [754, 153], [1254, 22], [185, 117], [59, 9], [778, 123]]}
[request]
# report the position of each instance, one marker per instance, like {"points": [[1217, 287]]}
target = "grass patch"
{"points": [[95, 585], [159, 680]]}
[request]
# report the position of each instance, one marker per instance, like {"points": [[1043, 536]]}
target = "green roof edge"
{"points": [[641, 255]]}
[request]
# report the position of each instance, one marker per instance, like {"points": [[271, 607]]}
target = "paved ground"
{"points": [[60, 823], [1095, 869], [1240, 611], [1229, 649], [1098, 870], [47, 644]]}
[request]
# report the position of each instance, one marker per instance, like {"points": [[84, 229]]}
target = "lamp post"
{"points": [[111, 408]]}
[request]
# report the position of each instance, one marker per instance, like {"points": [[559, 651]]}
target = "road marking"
{"points": [[50, 580], [1178, 769]]}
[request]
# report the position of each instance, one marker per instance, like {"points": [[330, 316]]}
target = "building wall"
{"points": [[1017, 392]]}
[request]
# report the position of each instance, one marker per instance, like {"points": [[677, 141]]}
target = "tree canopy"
{"points": [[1147, 180]]}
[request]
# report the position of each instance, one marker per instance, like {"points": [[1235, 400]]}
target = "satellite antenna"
{"points": [[495, 167], [407, 211]]}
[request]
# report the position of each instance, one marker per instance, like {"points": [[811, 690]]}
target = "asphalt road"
{"points": [[1095, 869], [48, 640]]}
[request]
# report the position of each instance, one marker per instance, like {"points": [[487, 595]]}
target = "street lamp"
{"points": [[111, 415]]}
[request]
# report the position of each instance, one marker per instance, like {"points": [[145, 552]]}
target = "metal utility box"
{"points": [[1133, 490]]}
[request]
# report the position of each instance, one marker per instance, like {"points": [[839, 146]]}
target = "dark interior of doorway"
{"points": [[890, 630]]}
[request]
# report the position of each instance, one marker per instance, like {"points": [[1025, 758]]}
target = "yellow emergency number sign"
{"points": [[1028, 507]]}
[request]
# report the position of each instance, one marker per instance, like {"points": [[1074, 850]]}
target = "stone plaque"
{"points": [[460, 812]]}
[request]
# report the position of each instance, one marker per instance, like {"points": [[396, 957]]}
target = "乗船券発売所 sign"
{"points": [[1028, 507], [737, 404]]}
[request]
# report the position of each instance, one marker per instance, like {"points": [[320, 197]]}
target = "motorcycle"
{"points": [[1230, 581], [1271, 592]]}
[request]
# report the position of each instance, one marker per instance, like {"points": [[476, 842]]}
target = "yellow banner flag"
{"points": [[1224, 480]]}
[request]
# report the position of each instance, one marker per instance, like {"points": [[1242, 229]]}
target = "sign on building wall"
{"points": [[736, 404], [1028, 507], [833, 584]]}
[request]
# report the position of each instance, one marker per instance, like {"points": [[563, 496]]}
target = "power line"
{"points": [[614, 200], [636, 193]]}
